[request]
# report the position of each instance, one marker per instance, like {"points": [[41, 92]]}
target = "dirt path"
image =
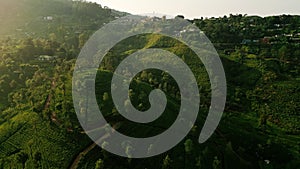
{"points": [[90, 147], [49, 97], [86, 151]]}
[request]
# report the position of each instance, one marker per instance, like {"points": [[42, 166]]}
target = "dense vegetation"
{"points": [[38, 126]]}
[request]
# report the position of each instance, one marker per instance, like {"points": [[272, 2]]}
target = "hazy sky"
{"points": [[198, 8]]}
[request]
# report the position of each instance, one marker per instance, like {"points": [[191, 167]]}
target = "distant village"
{"points": [[277, 33]]}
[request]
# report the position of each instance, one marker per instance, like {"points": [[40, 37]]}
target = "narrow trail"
{"points": [[49, 97], [86, 151], [80, 155], [46, 107], [90, 147]]}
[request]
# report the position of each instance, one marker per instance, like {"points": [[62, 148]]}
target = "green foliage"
{"points": [[216, 163], [22, 157], [167, 163], [99, 164], [38, 124], [188, 146]]}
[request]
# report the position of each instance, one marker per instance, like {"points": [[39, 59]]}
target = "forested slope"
{"points": [[38, 125]]}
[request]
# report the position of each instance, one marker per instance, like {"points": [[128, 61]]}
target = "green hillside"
{"points": [[40, 18], [39, 45]]}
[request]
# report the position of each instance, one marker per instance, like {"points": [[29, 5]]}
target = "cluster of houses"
{"points": [[47, 58], [291, 38], [277, 34], [48, 18]]}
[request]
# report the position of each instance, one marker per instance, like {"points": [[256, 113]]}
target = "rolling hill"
{"points": [[39, 44]]}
